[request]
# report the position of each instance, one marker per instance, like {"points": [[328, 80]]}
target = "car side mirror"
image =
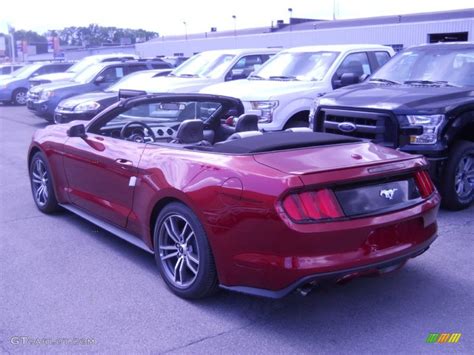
{"points": [[78, 130], [349, 79], [99, 80]]}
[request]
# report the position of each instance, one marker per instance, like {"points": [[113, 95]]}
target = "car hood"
{"points": [[315, 159], [96, 96], [255, 90], [56, 86], [54, 76], [399, 98], [175, 84], [9, 80]]}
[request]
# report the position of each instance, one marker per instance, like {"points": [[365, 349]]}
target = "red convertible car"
{"points": [[227, 205]]}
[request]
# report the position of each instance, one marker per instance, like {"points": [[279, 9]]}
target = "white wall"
{"points": [[401, 33]]}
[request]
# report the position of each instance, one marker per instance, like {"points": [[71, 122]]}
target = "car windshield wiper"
{"points": [[256, 77], [429, 82], [282, 77], [385, 81]]}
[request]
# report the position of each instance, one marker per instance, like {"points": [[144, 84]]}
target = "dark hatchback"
{"points": [[86, 106], [43, 99]]}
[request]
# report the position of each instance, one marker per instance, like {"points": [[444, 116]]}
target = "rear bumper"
{"points": [[286, 258], [375, 268]]}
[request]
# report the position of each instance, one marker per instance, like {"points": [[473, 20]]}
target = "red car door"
{"points": [[101, 174]]}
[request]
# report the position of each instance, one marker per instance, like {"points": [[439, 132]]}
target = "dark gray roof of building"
{"points": [[321, 24], [384, 20]]}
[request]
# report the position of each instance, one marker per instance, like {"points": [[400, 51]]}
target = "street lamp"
{"points": [[290, 10], [235, 25], [185, 30]]}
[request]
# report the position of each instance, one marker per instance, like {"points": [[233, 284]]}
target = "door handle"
{"points": [[123, 162]]}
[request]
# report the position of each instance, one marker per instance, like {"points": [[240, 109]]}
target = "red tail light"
{"points": [[424, 183], [312, 206]]}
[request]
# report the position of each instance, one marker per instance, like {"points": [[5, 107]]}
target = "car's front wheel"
{"points": [[457, 183], [42, 185], [19, 97], [183, 254]]}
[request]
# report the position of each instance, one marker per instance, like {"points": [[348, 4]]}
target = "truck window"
{"points": [[357, 63]]}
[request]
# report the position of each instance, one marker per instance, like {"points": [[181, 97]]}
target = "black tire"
{"points": [[45, 201], [204, 282], [19, 96], [451, 198]]}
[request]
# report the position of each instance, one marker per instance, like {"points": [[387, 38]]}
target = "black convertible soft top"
{"points": [[272, 141]]}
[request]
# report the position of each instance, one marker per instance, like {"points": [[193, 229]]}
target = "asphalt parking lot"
{"points": [[62, 277]]}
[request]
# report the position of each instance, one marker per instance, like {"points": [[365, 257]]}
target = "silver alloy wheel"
{"points": [[20, 97], [39, 179], [464, 178], [179, 251]]}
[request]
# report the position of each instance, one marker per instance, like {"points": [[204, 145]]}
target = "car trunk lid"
{"points": [[312, 160]]}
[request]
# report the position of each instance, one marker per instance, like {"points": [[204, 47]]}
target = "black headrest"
{"points": [[247, 122], [190, 131]]}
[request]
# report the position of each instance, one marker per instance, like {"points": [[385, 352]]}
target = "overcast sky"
{"points": [[167, 16]]}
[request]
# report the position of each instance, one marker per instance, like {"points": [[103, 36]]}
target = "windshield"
{"points": [[132, 81], [297, 66], [430, 65], [205, 65], [81, 65], [26, 71], [87, 74]]}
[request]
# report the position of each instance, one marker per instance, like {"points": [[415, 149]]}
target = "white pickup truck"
{"points": [[210, 67], [283, 89]]}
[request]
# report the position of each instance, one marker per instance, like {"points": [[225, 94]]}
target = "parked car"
{"points": [[15, 87], [86, 106], [43, 99], [260, 213], [421, 102], [9, 68], [212, 67], [80, 66], [283, 89]]}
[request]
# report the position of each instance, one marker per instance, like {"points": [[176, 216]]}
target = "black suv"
{"points": [[421, 102]]}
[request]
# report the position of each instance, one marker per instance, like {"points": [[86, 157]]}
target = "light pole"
{"points": [[290, 10], [185, 30], [235, 25], [333, 9], [11, 30]]}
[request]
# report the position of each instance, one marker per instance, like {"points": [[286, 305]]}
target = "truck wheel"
{"points": [[457, 182]]}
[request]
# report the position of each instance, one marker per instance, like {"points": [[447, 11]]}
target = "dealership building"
{"points": [[397, 31]]}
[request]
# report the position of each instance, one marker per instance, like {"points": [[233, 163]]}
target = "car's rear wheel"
{"points": [[42, 185], [19, 97], [457, 185], [182, 253]]}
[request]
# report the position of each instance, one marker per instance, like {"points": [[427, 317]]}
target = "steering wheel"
{"points": [[147, 131]]}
